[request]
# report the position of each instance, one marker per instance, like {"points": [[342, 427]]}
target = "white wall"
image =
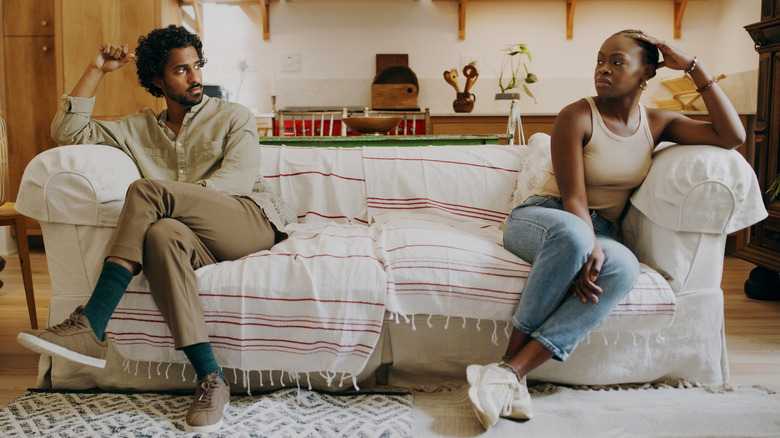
{"points": [[338, 41]]}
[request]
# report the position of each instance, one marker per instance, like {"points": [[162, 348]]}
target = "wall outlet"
{"points": [[251, 63], [468, 58], [291, 62]]}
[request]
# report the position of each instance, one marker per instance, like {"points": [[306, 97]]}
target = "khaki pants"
{"points": [[172, 229]]}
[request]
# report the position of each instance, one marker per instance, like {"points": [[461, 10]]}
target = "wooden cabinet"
{"points": [[763, 246], [87, 23], [29, 82], [46, 45], [477, 124]]}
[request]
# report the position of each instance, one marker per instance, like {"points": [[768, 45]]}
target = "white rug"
{"points": [[283, 413], [564, 412]]}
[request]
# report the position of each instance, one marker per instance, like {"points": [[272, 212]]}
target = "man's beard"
{"points": [[185, 98]]}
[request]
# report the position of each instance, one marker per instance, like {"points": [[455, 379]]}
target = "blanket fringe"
{"points": [[133, 367]]}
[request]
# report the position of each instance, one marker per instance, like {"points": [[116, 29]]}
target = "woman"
{"points": [[601, 150]]}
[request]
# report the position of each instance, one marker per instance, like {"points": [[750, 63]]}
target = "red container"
{"points": [[298, 128]]}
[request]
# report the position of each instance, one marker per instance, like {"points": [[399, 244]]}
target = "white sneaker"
{"points": [[495, 392]]}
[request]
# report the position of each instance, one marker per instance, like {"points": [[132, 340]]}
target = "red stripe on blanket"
{"points": [[216, 320], [314, 172], [246, 314], [218, 342], [513, 262], [439, 268], [236, 318], [313, 256], [455, 295], [428, 160], [340, 236], [314, 213], [648, 304], [479, 270], [434, 207], [417, 203], [448, 288], [248, 297]]}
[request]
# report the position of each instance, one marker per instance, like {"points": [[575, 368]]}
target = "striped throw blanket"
{"points": [[314, 302], [443, 251]]}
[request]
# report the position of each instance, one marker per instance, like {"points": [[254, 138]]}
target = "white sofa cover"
{"points": [[396, 272]]}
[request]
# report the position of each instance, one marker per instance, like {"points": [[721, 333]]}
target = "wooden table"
{"points": [[388, 140]]}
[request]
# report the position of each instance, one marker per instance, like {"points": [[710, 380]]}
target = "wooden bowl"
{"points": [[372, 125]]}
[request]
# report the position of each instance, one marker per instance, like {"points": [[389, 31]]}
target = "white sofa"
{"points": [[396, 273]]}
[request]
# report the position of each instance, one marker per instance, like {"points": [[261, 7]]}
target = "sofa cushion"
{"points": [[320, 184], [468, 183], [535, 170], [439, 266]]}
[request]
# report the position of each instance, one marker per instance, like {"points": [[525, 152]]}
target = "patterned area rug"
{"points": [[283, 413]]}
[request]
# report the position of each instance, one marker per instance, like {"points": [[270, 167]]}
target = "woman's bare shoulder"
{"points": [[575, 113], [576, 108]]}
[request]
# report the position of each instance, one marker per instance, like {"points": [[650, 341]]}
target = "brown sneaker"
{"points": [[212, 395], [72, 339]]}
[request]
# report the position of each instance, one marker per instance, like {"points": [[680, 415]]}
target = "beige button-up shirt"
{"points": [[217, 147]]}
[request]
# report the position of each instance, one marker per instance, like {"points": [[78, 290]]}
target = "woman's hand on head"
{"points": [[585, 287], [673, 58]]}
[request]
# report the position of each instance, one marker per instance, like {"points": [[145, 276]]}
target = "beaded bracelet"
{"points": [[690, 69], [706, 86]]}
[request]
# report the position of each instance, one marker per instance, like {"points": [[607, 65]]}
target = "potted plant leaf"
{"points": [[514, 72], [774, 190]]}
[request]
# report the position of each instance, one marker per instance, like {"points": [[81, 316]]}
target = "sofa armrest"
{"points": [[702, 189], [78, 184]]}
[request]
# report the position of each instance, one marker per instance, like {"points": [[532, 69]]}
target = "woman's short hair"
{"points": [[151, 55], [650, 51]]}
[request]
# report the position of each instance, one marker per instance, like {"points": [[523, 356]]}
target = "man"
{"points": [[200, 201]]}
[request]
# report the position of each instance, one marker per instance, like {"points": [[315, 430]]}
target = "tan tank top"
{"points": [[614, 165]]}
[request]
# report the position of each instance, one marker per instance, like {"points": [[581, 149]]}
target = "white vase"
{"points": [[503, 102]]}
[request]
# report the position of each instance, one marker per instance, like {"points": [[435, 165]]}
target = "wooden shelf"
{"points": [[257, 10], [571, 5]]}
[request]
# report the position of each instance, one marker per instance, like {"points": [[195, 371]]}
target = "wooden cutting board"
{"points": [[385, 61]]}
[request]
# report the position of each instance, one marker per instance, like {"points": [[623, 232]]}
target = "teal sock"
{"points": [[202, 359], [110, 287]]}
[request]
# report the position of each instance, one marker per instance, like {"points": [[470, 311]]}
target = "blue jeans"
{"points": [[557, 244]]}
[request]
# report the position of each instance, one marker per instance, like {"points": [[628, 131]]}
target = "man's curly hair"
{"points": [[151, 55]]}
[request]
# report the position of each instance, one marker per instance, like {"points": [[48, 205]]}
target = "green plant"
{"points": [[514, 71], [774, 189]]}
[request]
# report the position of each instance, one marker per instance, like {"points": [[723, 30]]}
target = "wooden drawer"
{"points": [[20, 19]]}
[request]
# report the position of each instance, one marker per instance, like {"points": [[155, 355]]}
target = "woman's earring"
{"points": [[643, 84]]}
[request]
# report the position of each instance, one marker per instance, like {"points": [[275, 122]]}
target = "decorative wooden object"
{"points": [[685, 96]]}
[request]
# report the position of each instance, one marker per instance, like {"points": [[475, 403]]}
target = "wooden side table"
{"points": [[9, 216]]}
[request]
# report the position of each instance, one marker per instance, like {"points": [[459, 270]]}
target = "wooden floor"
{"points": [[752, 327]]}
